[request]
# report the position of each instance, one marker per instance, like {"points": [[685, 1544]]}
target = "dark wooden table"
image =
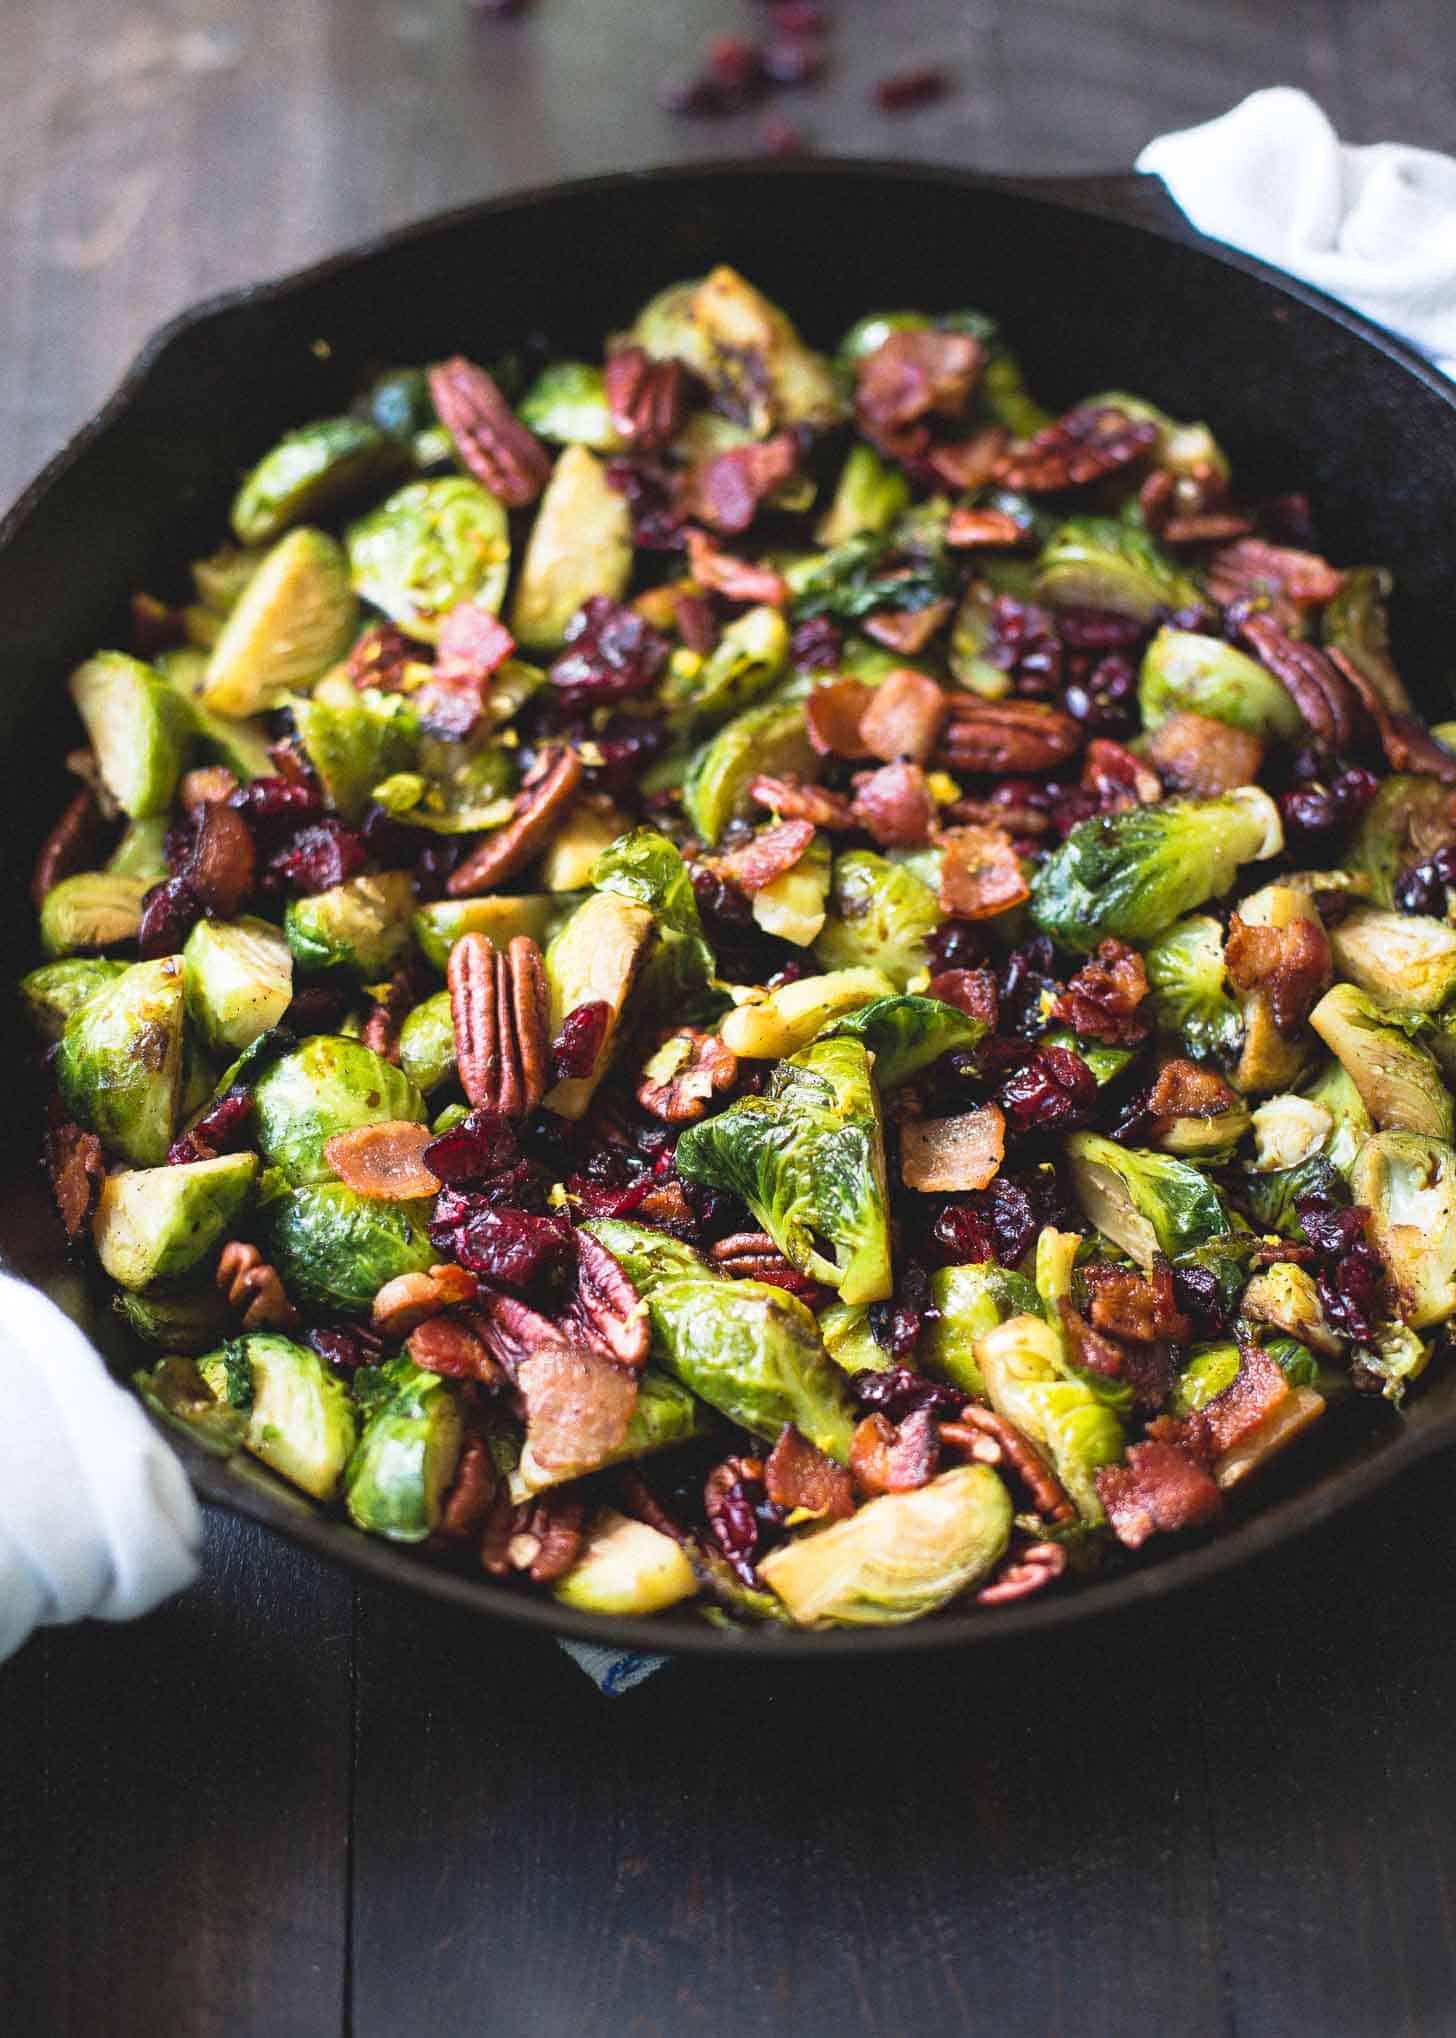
{"points": [[289, 1805]]}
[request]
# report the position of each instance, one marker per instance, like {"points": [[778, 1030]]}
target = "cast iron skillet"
{"points": [[1100, 285]]}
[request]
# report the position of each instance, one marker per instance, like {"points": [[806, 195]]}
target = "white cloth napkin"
{"points": [[1374, 226]]}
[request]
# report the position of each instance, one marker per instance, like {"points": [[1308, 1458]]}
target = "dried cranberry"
{"points": [[962, 1235], [901, 91], [434, 863], [482, 1144], [278, 799], [1069, 805], [317, 858], [1029, 974], [1052, 1092], [170, 911], [177, 845], [779, 137], [1084, 629], [1023, 641], [739, 1516], [1317, 809], [1331, 1227], [611, 653], [601, 1199], [1197, 1294], [895, 1329], [1422, 888], [816, 646], [657, 521], [316, 1008], [347, 1349], [899, 1391], [576, 1047], [957, 944], [625, 746], [1105, 701], [1352, 1290], [387, 840], [220, 1129], [509, 1247], [799, 17]]}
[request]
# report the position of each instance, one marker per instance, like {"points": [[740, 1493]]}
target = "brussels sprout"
{"points": [[300, 1418], [849, 1340], [311, 471], [176, 1391], [1285, 1295], [770, 738], [326, 1085], [900, 1557], [1333, 1090], [296, 618], [154, 1224], [905, 568], [1183, 450], [240, 745], [459, 787], [905, 1034], [1209, 1139], [1105, 1061], [427, 1043], [1020, 1363], [428, 546], [1398, 1079], [784, 1020], [57, 989], [362, 925], [1396, 1355], [664, 1414], [334, 1249], [869, 333], [744, 348], [1288, 1131], [626, 1567], [1405, 960], [598, 955], [881, 916], [239, 980], [970, 633], [1184, 671], [679, 980], [353, 739], [439, 925], [795, 906], [1132, 874], [1269, 1059], [1408, 1184], [1208, 1370], [119, 1064], [188, 1319], [567, 404], [1408, 819], [590, 829], [1146, 1203], [221, 577], [747, 660], [141, 851], [808, 1158], [94, 909], [137, 727], [971, 1300], [869, 497], [1104, 563], [648, 1257], [404, 1461], [1355, 622], [580, 545]]}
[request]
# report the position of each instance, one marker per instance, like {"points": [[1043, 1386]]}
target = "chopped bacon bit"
{"points": [[1196, 754], [1289, 965], [383, 1161], [1102, 1000], [895, 805], [832, 717], [1257, 1389], [1093, 1352], [1288, 1419], [726, 490], [889, 1458], [982, 529], [473, 644], [76, 1163], [1131, 1304], [980, 874], [381, 657], [1117, 778], [578, 1406], [944, 1155], [908, 631], [911, 376], [972, 991], [767, 856], [1407, 743], [224, 861], [1161, 1490], [799, 1478], [1186, 1089], [967, 464], [903, 717], [792, 801], [720, 572]]}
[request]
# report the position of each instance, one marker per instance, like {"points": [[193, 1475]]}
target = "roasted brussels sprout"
{"points": [[1405, 961], [404, 1461], [439, 925], [1187, 451], [353, 739], [155, 1224], [119, 1066], [190, 1318], [679, 980], [94, 909], [744, 348], [648, 1257], [57, 989], [597, 957], [869, 497], [238, 976], [795, 906], [770, 738], [1105, 563], [334, 1249], [312, 471], [1288, 1131], [1186, 672], [138, 728], [176, 1391], [1147, 1203], [625, 1567], [905, 1035], [748, 659], [326, 1085], [970, 1300], [580, 545], [1188, 992], [295, 619], [141, 851], [784, 1020], [900, 1557], [427, 1043], [589, 830], [1408, 1183], [1332, 1089], [567, 404], [300, 1421], [239, 744], [1398, 1079], [362, 925], [1286, 1296], [1020, 1362], [880, 917], [430, 545], [850, 1340], [1133, 874], [1409, 818]]}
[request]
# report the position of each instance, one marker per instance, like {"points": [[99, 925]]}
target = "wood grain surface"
{"points": [[287, 1805]]}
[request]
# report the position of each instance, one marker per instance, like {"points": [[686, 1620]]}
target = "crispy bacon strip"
{"points": [[798, 1477], [1161, 1490], [767, 856]]}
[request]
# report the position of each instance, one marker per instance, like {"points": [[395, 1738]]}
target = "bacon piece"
{"points": [[972, 991], [832, 717], [76, 1164], [1102, 1000], [1186, 1089], [1257, 1389], [944, 1155], [767, 856], [792, 801], [578, 1406], [980, 874], [903, 717], [1408, 744], [1118, 778], [908, 631], [967, 464], [911, 376], [1290, 966], [798, 1477], [1161, 1490], [889, 1458], [1130, 1304], [381, 658], [725, 491], [895, 805], [383, 1161], [982, 529], [224, 860], [1196, 754], [720, 572], [1093, 1352]]}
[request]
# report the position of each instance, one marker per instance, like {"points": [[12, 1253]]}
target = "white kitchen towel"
{"points": [[1374, 226], [96, 1516]]}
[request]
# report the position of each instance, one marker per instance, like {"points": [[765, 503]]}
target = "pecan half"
{"points": [[885, 1457], [688, 1069], [1407, 742], [540, 806], [453, 1348], [645, 398], [792, 801], [1211, 527], [412, 1299], [76, 1164], [1196, 754], [607, 1307], [944, 1155], [720, 572], [70, 846], [1325, 698], [541, 1537], [490, 439], [383, 1161], [967, 464], [980, 873], [1251, 569], [800, 1479], [1087, 443], [1028, 1571], [1048, 1496], [725, 490], [908, 631], [466, 1505], [903, 717], [982, 529], [224, 860], [753, 1256], [253, 1288], [1010, 738], [499, 1007], [895, 805]]}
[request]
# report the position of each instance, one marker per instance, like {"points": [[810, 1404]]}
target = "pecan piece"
{"points": [[70, 846], [886, 1457], [541, 1537], [1210, 527], [732, 1493], [1026, 1572], [645, 398], [1408, 744], [800, 1479], [253, 1288], [1010, 738], [983, 529], [1087, 443], [688, 1069], [1325, 698], [490, 439], [76, 1164], [465, 1507], [607, 1307], [792, 801], [1251, 569], [409, 1300], [205, 785], [454, 1349], [967, 464], [1048, 1496], [943, 1155], [895, 805], [980, 874], [540, 806], [499, 1007], [720, 572], [903, 717], [753, 1256], [223, 862]]}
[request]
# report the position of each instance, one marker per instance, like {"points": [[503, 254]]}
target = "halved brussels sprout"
{"points": [[626, 1567], [94, 909], [1355, 622], [663, 1415], [428, 546], [1184, 671], [334, 1250], [1147, 1203], [1208, 1370], [786, 1019], [155, 1224], [588, 831], [221, 577], [1408, 1184], [1403, 960], [567, 404], [119, 1066], [427, 1043], [880, 916], [1398, 1079], [970, 633], [312, 470], [353, 739], [300, 1418], [137, 727], [1270, 1059], [326, 1085], [439, 925], [1409, 818], [404, 1461], [1132, 874], [1020, 1362], [971, 1300], [57, 989], [770, 738], [899, 1557], [1104, 563], [849, 1339], [1286, 1296], [795, 906], [239, 980], [598, 955], [580, 545], [648, 1256], [1288, 1131], [744, 348], [176, 1391], [1332, 1089], [1396, 1355], [241, 745], [869, 496], [296, 618], [190, 1318], [362, 925], [905, 1035], [679, 979], [141, 851], [1182, 449], [748, 659]]}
